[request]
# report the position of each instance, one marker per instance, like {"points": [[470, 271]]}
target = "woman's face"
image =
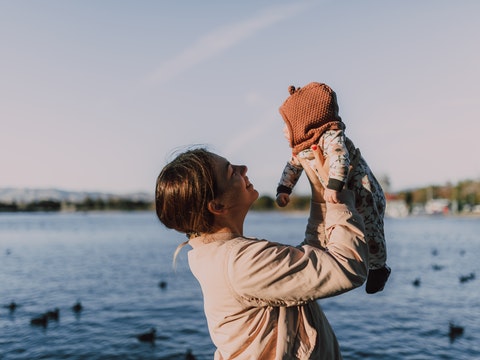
{"points": [[233, 184]]}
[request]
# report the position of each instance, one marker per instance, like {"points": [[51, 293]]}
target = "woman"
{"points": [[260, 296]]}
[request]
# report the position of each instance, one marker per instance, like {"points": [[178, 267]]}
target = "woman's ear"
{"points": [[215, 208]]}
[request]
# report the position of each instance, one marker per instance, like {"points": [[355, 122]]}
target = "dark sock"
{"points": [[376, 279]]}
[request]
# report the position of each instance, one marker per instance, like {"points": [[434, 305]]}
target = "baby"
{"points": [[311, 119]]}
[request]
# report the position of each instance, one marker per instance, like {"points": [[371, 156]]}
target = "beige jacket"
{"points": [[260, 296]]}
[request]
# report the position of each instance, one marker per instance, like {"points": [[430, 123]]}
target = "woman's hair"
{"points": [[183, 191]]}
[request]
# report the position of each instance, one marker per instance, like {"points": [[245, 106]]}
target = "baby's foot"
{"points": [[376, 279]]}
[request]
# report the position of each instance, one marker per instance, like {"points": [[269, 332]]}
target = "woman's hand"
{"points": [[331, 196], [314, 176]]}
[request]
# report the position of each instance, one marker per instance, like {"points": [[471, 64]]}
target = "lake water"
{"points": [[113, 263]]}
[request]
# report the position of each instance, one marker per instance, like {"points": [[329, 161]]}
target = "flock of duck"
{"points": [[454, 330], [50, 315], [150, 336], [54, 315]]}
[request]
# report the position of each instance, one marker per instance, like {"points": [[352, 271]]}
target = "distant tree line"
{"points": [[465, 193], [88, 204], [113, 204], [267, 203]]}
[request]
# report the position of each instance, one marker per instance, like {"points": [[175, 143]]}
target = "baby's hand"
{"points": [[283, 199], [331, 196]]}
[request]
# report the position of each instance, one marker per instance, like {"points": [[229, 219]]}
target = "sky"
{"points": [[99, 95]]}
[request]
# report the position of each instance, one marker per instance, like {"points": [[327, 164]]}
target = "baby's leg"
{"points": [[370, 203]]}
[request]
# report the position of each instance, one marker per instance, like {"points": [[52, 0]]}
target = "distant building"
{"points": [[396, 208], [437, 207]]}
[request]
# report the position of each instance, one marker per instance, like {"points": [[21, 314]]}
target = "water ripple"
{"points": [[113, 263]]}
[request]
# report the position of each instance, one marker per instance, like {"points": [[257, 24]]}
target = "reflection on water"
{"points": [[119, 267]]}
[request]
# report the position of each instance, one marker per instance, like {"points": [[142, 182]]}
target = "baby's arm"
{"points": [[290, 175], [335, 149]]}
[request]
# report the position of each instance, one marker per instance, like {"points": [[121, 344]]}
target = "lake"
{"points": [[113, 264]]}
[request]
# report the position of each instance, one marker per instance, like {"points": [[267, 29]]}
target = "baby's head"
{"points": [[308, 112]]}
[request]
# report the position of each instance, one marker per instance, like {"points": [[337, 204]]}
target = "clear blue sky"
{"points": [[95, 95]]}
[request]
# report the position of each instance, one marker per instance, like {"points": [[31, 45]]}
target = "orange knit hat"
{"points": [[308, 113]]}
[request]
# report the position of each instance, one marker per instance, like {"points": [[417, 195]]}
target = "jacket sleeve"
{"points": [[315, 233], [264, 273]]}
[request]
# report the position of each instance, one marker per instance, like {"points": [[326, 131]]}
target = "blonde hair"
{"points": [[184, 188]]}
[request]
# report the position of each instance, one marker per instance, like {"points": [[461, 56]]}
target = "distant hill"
{"points": [[28, 195]]}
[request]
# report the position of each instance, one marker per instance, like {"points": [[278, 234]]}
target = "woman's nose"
{"points": [[243, 169]]}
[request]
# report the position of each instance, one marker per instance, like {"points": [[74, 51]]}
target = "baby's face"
{"points": [[286, 133]]}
